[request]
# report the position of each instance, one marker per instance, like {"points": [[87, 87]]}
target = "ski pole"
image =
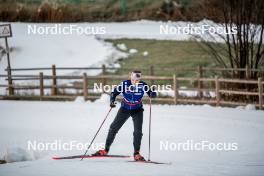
{"points": [[149, 128], [96, 133]]}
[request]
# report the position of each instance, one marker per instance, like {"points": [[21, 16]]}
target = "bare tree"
{"points": [[243, 48]]}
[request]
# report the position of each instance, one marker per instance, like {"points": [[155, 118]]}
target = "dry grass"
{"points": [[105, 11]]}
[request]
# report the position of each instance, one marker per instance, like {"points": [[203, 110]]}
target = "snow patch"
{"points": [[250, 107], [207, 106], [133, 51], [145, 53], [79, 99], [247, 107], [122, 46]]}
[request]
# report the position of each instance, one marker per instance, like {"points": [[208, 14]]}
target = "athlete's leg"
{"points": [[137, 121], [120, 119]]}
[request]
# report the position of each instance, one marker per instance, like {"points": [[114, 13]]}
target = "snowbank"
{"points": [[105, 98], [79, 99], [18, 154], [247, 107], [186, 93]]}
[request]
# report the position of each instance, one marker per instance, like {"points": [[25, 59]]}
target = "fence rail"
{"points": [[103, 67]]}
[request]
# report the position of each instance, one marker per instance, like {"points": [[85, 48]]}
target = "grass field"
{"points": [[168, 54]]}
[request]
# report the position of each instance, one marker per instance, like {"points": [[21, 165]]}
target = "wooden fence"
{"points": [[199, 71], [84, 80]]}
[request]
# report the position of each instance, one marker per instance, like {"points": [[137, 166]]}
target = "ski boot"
{"points": [[100, 153], [138, 157]]}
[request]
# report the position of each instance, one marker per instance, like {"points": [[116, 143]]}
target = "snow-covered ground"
{"points": [[36, 50], [159, 30], [23, 121]]}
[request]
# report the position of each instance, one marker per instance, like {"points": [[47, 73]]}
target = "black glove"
{"points": [[112, 104], [153, 95]]}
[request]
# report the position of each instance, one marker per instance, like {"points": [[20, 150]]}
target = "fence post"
{"points": [[260, 90], [41, 85], [217, 93], [103, 69], [175, 88], [54, 81], [9, 71], [151, 73], [199, 83], [85, 86], [103, 73], [247, 72], [10, 82]]}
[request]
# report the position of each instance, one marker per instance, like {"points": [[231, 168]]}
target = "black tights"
{"points": [[120, 119]]}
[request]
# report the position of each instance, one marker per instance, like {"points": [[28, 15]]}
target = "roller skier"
{"points": [[132, 91]]}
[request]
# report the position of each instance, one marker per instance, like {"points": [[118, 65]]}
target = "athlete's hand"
{"points": [[153, 95], [112, 104]]}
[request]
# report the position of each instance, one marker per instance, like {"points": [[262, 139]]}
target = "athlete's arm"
{"points": [[116, 91]]}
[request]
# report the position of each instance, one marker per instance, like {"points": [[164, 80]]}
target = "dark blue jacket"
{"points": [[132, 94]]}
